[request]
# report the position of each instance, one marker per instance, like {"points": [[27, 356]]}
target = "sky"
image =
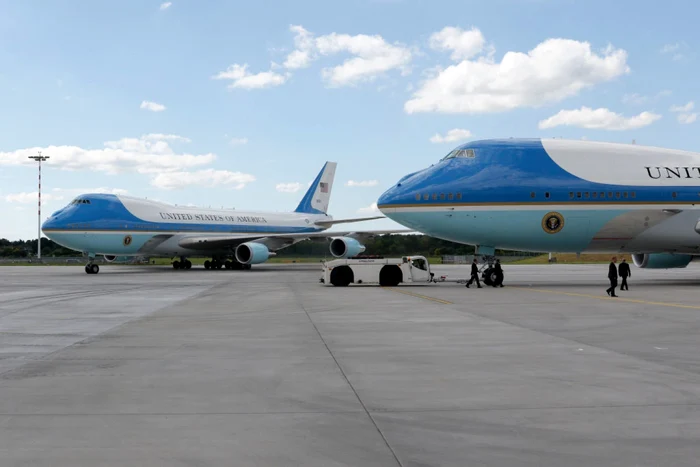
{"points": [[239, 104]]}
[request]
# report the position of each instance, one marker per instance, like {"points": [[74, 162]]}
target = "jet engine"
{"points": [[345, 247], [661, 260], [117, 259], [252, 253], [110, 258]]}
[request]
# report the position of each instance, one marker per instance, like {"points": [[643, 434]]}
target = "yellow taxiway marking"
{"points": [[425, 297], [599, 297]]}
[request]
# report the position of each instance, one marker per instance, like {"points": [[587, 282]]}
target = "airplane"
{"points": [[556, 195], [116, 226]]}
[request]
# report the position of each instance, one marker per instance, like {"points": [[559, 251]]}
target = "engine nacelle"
{"points": [[252, 253], [118, 259], [345, 247], [661, 260]]}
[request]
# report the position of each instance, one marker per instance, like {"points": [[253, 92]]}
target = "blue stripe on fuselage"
{"points": [[107, 213], [509, 171]]}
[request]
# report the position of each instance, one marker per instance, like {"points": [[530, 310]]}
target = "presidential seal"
{"points": [[552, 222], [127, 240]]}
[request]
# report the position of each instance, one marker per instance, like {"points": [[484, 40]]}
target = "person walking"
{"points": [[612, 275], [475, 275], [624, 271]]}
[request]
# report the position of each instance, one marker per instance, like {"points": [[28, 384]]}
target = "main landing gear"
{"points": [[184, 263], [218, 263]]}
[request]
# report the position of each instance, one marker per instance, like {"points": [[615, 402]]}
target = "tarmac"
{"points": [[143, 365]]}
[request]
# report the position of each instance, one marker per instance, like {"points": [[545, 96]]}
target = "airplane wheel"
{"points": [[207, 264], [487, 276], [188, 264], [176, 265], [94, 269], [87, 269]]}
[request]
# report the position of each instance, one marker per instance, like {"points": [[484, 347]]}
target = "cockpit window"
{"points": [[80, 201], [459, 153]]}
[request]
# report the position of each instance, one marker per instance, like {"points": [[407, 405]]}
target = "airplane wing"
{"points": [[346, 221], [273, 242]]}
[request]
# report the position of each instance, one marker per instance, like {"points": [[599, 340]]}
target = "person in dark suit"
{"points": [[475, 274], [499, 274], [612, 275], [624, 271]]}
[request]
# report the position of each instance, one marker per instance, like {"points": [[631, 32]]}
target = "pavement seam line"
{"points": [[342, 372]]}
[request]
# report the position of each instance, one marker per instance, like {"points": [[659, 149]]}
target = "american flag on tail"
{"points": [[324, 187]]}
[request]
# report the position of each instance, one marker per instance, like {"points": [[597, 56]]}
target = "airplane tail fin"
{"points": [[316, 199]]}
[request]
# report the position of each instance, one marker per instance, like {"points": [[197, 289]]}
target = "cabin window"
{"points": [[624, 195], [586, 195], [633, 194], [417, 196], [546, 194], [674, 194], [442, 196], [594, 194], [451, 196], [426, 196], [571, 195], [434, 196], [617, 194], [532, 194], [610, 194], [459, 195], [578, 195]]}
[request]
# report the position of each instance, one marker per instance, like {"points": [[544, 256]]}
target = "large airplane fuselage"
{"points": [[118, 225], [555, 195]]}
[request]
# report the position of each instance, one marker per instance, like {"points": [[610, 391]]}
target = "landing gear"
{"points": [[490, 276], [184, 263], [226, 263], [92, 268]]}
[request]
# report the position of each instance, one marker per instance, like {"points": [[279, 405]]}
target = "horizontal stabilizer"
{"points": [[346, 221]]}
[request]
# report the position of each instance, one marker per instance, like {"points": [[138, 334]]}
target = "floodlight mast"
{"points": [[39, 158]]}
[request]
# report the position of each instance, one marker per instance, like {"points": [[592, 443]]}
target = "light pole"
{"points": [[39, 158]]}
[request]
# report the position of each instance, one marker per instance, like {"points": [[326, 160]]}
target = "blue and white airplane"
{"points": [[553, 195], [119, 226]]}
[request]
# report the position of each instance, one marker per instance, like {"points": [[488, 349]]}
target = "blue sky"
{"points": [[226, 103]]}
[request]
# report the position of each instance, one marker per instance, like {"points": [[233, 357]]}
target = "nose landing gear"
{"points": [[184, 263]]}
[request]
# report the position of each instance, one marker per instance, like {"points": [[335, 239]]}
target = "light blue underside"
{"points": [[101, 243], [514, 230]]}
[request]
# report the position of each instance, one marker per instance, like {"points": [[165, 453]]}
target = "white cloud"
{"points": [[635, 98], [207, 178], [685, 116], [149, 154], [289, 187], [72, 192], [683, 108], [238, 141], [242, 78], [165, 5], [554, 70], [685, 119], [31, 197], [598, 119], [152, 106], [664, 93], [674, 50], [463, 44], [371, 57], [456, 134], [372, 208], [364, 183]]}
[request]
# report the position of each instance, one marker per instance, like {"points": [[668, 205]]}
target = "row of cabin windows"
{"points": [[441, 196], [610, 194]]}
